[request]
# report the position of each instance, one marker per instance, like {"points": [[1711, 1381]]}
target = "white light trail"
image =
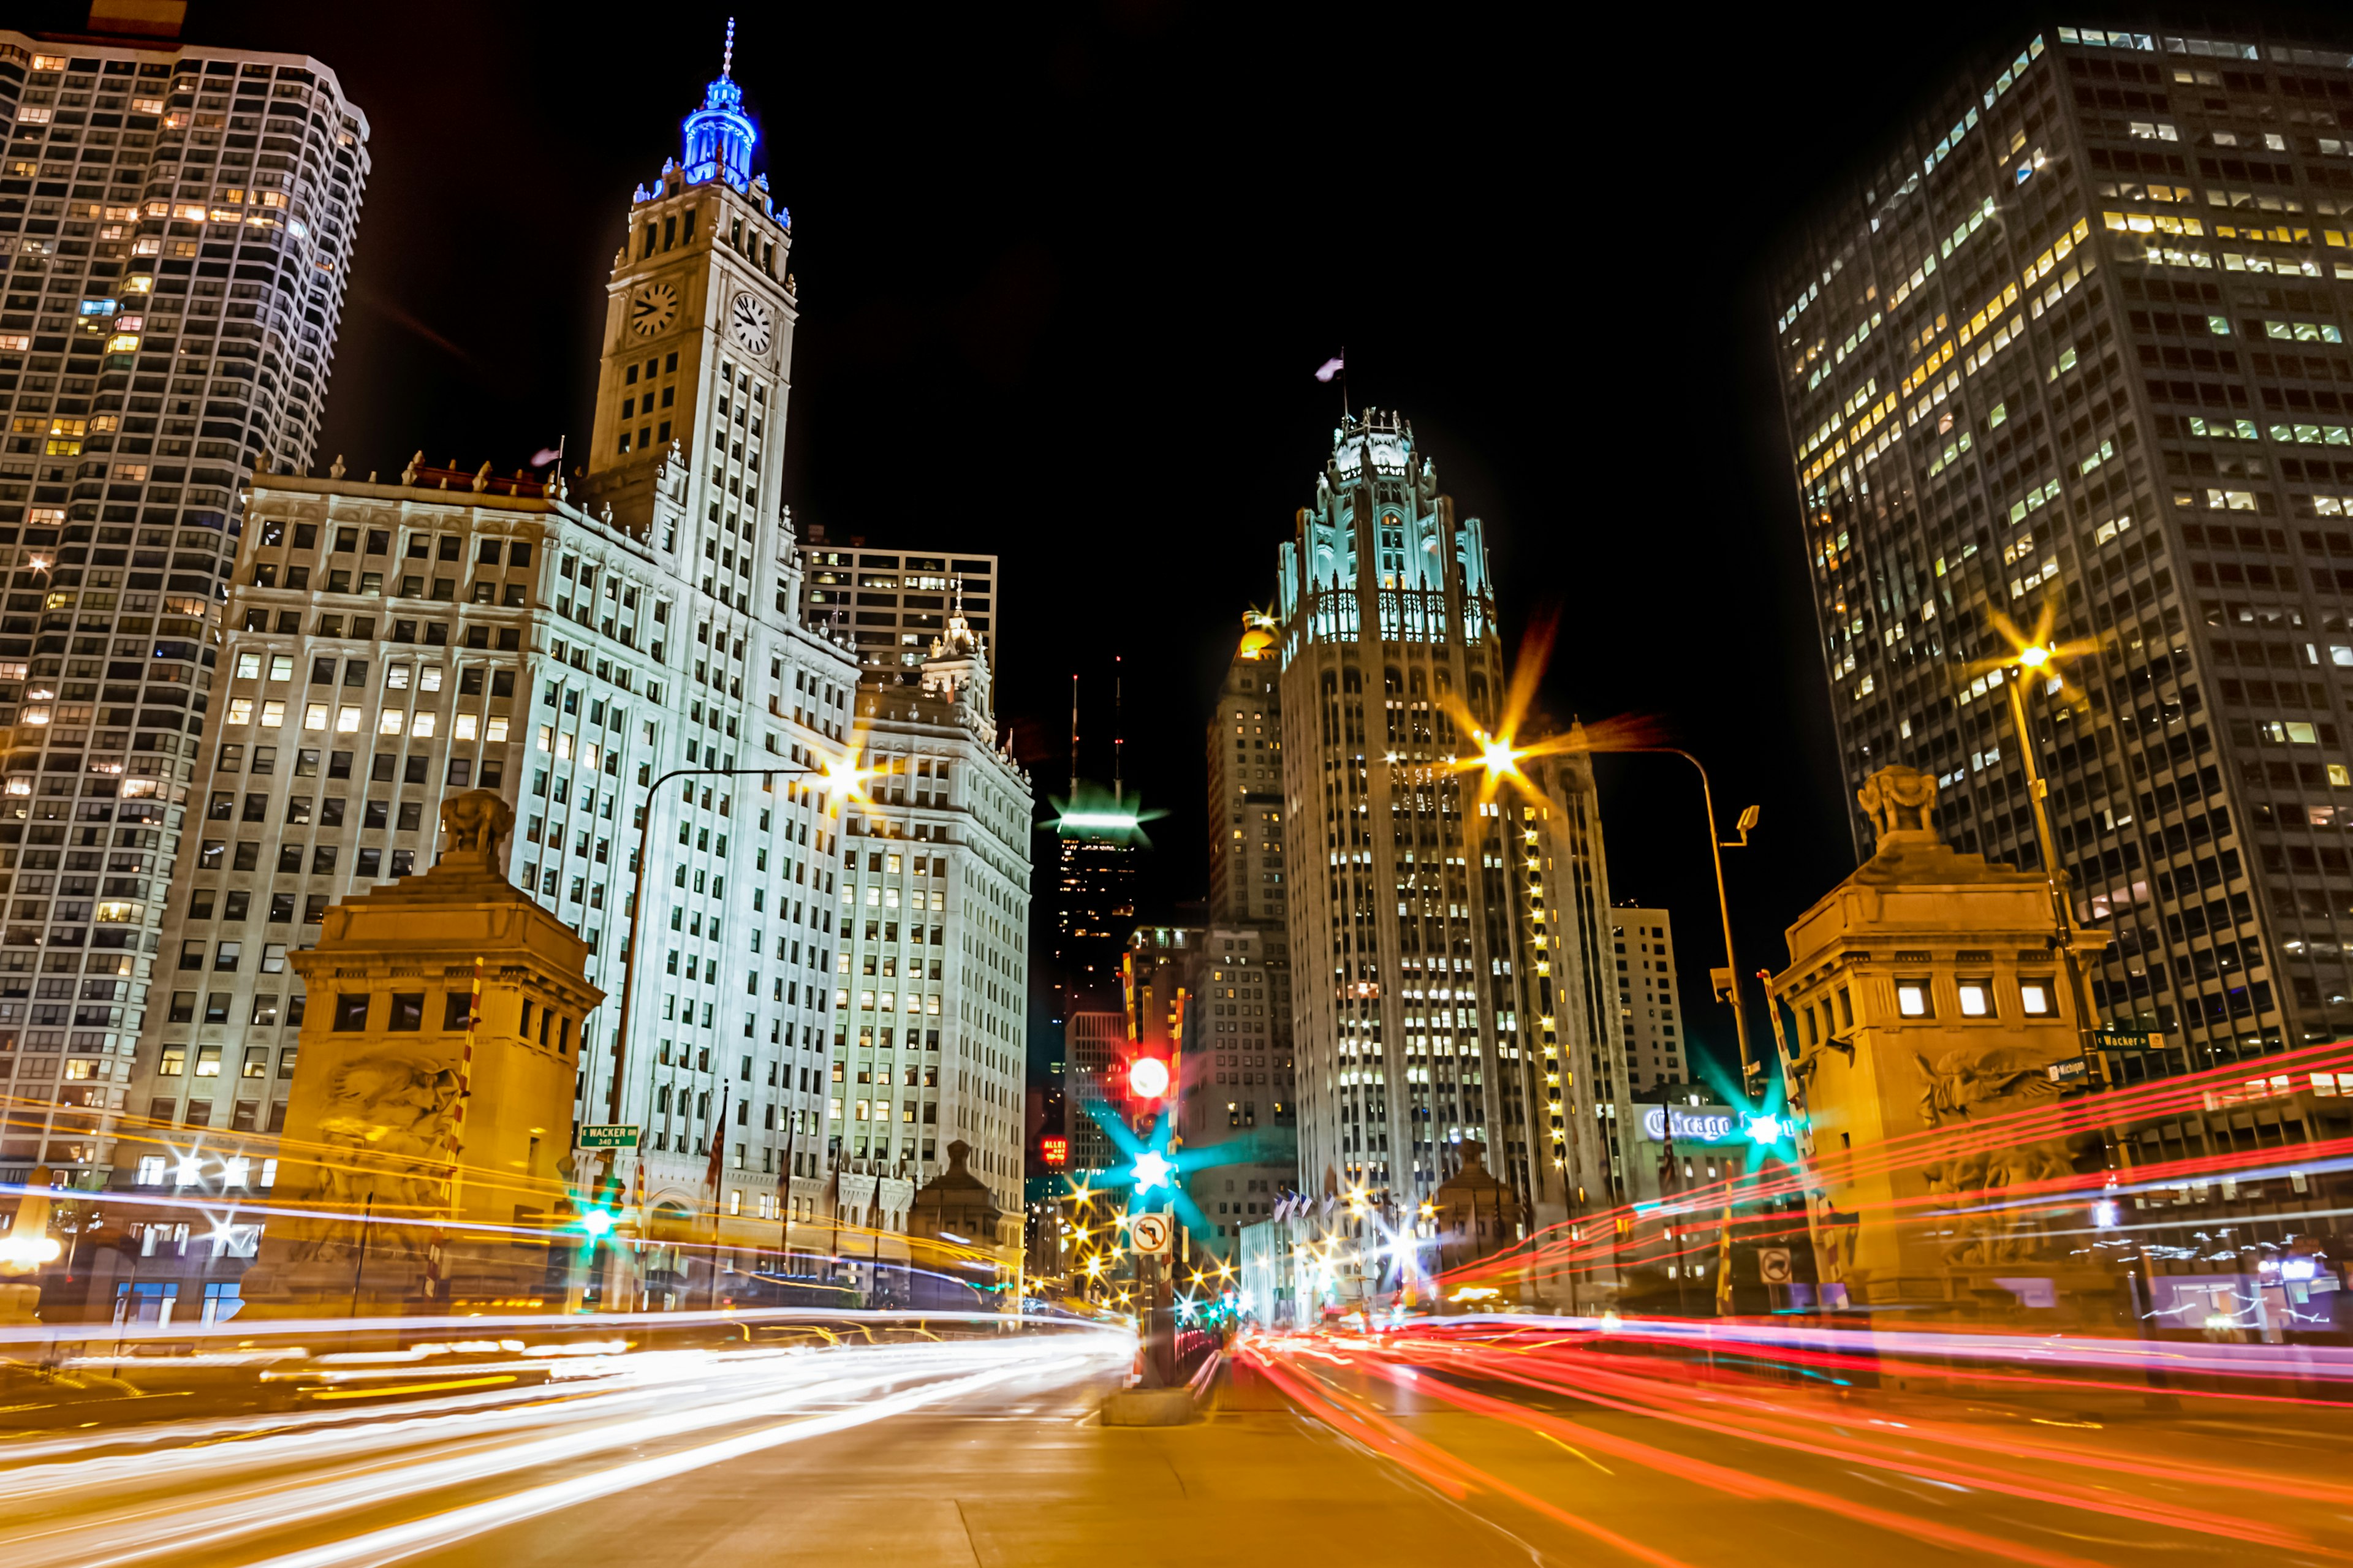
{"points": [[225, 1486], [400, 1540]]}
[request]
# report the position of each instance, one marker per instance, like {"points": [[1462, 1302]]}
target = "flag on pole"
{"points": [[545, 456], [1332, 367]]}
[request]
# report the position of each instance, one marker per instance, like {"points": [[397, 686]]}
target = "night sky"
{"points": [[1065, 274]]}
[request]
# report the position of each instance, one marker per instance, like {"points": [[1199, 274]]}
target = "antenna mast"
{"points": [[1074, 734], [1117, 740]]}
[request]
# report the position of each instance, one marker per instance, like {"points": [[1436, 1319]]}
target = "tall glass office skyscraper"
{"points": [[2073, 346]]}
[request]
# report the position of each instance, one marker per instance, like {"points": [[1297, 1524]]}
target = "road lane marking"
{"points": [[1579, 1453]]}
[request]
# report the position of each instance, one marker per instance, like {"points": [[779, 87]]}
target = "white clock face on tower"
{"points": [[653, 308], [748, 323]]}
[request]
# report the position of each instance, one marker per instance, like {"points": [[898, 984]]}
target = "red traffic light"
{"points": [[1147, 1078]]}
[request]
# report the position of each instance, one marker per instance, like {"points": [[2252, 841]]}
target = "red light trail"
{"points": [[2109, 1476]]}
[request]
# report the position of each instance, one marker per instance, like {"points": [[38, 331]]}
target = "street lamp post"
{"points": [[1500, 757], [845, 778], [2035, 657], [1750, 1067]]}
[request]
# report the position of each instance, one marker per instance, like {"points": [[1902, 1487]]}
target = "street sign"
{"points": [[2127, 1040], [1149, 1233], [608, 1136], [1773, 1265], [2073, 1069]]}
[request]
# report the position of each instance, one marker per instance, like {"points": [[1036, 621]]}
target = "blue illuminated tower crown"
{"points": [[719, 135]]}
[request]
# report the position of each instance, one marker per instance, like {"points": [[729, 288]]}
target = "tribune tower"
{"points": [[1406, 1004]]}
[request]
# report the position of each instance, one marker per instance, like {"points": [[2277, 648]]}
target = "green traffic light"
{"points": [[596, 1224]]}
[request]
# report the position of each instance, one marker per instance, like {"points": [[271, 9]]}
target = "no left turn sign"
{"points": [[1149, 1233]]}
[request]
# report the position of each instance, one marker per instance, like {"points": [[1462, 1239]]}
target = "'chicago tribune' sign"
{"points": [[1694, 1124]]}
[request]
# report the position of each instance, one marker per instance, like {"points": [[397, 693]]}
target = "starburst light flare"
{"points": [[844, 777], [1497, 756], [2038, 652]]}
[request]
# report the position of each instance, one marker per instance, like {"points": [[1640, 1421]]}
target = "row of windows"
{"points": [[289, 622], [407, 1015], [350, 539], [398, 675], [382, 768], [216, 1004], [367, 865], [378, 815], [1915, 998]]}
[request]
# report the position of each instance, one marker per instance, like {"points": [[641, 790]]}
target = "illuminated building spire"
{"points": [[719, 135]]}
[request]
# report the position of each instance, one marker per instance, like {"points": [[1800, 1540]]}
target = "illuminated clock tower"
{"points": [[728, 1039], [688, 449]]}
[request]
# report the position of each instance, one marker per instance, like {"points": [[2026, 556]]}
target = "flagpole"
{"points": [[792, 1153], [715, 1178], [1336, 369]]}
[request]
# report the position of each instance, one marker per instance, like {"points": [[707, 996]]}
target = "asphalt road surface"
{"points": [[991, 1453]]}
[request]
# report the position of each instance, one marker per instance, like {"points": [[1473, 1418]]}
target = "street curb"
{"points": [[1164, 1406]]}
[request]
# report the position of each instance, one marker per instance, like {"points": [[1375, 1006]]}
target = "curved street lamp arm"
{"points": [[1716, 848], [637, 903]]}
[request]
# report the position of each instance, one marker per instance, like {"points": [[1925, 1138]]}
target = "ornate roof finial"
{"points": [[720, 135]]}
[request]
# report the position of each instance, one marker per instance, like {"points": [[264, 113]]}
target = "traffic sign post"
{"points": [[1773, 1266], [608, 1136], [1150, 1234]]}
